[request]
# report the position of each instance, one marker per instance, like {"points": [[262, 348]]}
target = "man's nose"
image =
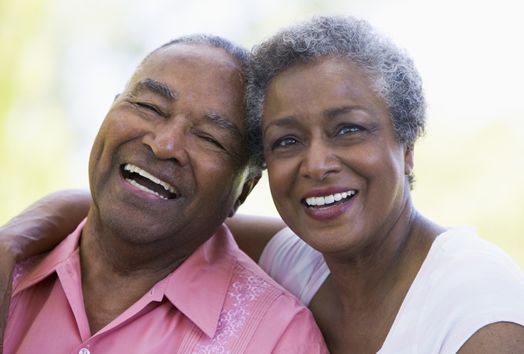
{"points": [[320, 161], [168, 140]]}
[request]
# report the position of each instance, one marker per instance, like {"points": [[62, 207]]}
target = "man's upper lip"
{"points": [[155, 176]]}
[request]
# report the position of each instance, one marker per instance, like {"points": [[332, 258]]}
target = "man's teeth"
{"points": [[144, 188], [329, 199], [149, 176]]}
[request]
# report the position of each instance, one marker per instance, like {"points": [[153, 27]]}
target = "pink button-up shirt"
{"points": [[217, 301]]}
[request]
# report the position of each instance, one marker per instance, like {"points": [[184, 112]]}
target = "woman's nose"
{"points": [[319, 162]]}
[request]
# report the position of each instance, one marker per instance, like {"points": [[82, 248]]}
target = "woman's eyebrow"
{"points": [[333, 112], [287, 121]]}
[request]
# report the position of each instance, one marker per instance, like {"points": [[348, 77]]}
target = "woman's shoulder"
{"points": [[460, 253], [465, 271], [294, 264], [465, 284]]}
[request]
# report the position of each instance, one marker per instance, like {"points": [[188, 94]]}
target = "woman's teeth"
{"points": [[329, 199]]}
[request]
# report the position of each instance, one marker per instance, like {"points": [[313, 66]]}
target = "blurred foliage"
{"points": [[473, 175], [32, 141]]}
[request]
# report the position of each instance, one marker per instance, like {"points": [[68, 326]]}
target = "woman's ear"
{"points": [[409, 157]]}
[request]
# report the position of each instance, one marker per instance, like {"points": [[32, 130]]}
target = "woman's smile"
{"points": [[329, 205], [334, 164]]}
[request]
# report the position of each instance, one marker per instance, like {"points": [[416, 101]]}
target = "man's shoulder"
{"points": [[252, 282], [256, 314], [251, 286], [247, 271], [260, 316], [37, 268]]}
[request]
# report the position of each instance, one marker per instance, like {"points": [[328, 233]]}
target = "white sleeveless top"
{"points": [[294, 264], [464, 284]]}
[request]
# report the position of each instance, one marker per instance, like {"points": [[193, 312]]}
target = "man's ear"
{"points": [[409, 160], [246, 189]]}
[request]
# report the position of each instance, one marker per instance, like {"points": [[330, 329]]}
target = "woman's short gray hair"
{"points": [[391, 70]]}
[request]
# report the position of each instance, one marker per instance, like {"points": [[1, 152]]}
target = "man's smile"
{"points": [[148, 183]]}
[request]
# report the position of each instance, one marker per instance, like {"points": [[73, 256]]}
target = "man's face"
{"points": [[170, 162]]}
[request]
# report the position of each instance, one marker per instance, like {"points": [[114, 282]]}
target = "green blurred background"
{"points": [[62, 62]]}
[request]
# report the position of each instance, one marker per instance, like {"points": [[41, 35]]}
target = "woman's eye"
{"points": [[284, 142], [348, 129]]}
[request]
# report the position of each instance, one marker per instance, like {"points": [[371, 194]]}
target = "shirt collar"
{"points": [[197, 288], [49, 263]]}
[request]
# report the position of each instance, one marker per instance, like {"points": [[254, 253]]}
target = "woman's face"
{"points": [[336, 172]]}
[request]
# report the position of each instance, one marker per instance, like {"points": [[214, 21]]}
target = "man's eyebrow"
{"points": [[153, 86], [224, 123]]}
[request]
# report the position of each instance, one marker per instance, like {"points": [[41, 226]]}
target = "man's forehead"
{"points": [[194, 54], [199, 71], [197, 67]]}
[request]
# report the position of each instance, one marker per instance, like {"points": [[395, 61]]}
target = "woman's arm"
{"points": [[252, 233], [44, 224], [37, 229]]}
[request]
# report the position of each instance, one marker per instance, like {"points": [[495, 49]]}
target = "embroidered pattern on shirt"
{"points": [[23, 268], [17, 274], [243, 292]]}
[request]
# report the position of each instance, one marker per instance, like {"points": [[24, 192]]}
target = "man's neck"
{"points": [[117, 273]]}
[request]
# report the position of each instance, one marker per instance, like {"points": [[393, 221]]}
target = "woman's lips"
{"points": [[329, 199], [329, 206]]}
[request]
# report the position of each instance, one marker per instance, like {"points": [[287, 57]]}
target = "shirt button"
{"points": [[84, 351]]}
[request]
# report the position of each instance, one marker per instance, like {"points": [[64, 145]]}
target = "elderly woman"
{"points": [[339, 109]]}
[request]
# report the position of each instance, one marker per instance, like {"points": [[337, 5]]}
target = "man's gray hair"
{"points": [[390, 69], [239, 53]]}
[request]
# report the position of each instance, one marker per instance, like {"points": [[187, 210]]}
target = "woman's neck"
{"points": [[368, 289]]}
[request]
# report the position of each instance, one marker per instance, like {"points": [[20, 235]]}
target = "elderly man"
{"points": [[152, 269]]}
